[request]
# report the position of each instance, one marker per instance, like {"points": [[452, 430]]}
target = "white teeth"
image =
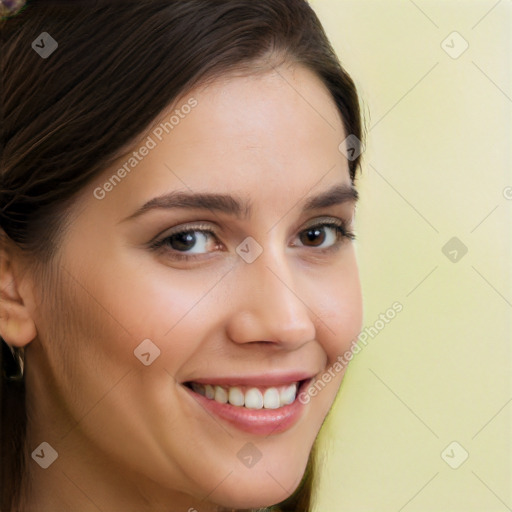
{"points": [[288, 394], [271, 398], [254, 399], [236, 397], [221, 395]]}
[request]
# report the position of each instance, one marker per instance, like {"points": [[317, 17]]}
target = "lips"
{"points": [[259, 405]]}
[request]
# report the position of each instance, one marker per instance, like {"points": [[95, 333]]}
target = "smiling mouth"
{"points": [[249, 397]]}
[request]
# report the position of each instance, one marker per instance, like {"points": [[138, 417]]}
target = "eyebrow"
{"points": [[233, 205]]}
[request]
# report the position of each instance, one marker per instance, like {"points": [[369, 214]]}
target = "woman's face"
{"points": [[261, 294]]}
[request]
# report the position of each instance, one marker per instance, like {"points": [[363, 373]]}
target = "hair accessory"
{"points": [[9, 8]]}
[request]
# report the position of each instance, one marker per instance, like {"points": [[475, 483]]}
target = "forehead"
{"points": [[285, 112], [268, 134]]}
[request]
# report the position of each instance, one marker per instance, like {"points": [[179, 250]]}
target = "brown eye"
{"points": [[182, 241], [326, 235], [187, 243], [312, 235]]}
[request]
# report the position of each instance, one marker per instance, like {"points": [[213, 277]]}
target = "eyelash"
{"points": [[343, 234]]}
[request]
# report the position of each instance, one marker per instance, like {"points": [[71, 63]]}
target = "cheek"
{"points": [[340, 308], [169, 308]]}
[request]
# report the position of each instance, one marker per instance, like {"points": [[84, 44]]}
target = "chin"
{"points": [[251, 497], [259, 488]]}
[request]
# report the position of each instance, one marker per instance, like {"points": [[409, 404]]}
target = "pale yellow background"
{"points": [[436, 166]]}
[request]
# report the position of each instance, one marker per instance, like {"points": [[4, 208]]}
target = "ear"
{"points": [[17, 327]]}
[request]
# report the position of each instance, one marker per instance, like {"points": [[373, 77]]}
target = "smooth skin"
{"points": [[130, 437]]}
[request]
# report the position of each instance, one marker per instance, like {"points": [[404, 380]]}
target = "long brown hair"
{"points": [[65, 118]]}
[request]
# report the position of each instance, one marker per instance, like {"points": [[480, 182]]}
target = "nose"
{"points": [[270, 305]]}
